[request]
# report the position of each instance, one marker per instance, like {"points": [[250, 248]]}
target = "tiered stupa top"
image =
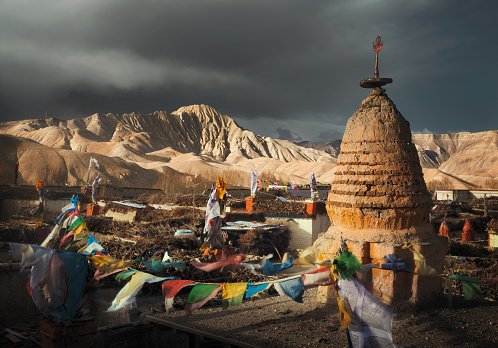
{"points": [[378, 182]]}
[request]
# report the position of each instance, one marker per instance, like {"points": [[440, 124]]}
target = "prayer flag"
{"points": [[223, 262], [128, 293], [200, 294], [471, 286], [171, 288], [294, 288], [125, 274], [307, 257], [254, 182], [221, 188], [212, 223], [57, 279], [393, 263], [270, 268], [66, 239], [106, 263], [421, 267], [92, 247], [52, 235], [254, 289], [75, 223], [317, 277], [233, 293], [313, 186], [82, 227], [371, 319], [157, 266], [343, 314], [347, 264], [101, 275]]}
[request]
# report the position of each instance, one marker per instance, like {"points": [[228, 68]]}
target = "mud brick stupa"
{"points": [[379, 202]]}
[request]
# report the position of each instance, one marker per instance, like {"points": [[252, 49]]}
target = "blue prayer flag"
{"points": [[253, 290]]}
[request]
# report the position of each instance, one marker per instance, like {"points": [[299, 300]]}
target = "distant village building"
{"points": [[464, 195], [304, 228]]}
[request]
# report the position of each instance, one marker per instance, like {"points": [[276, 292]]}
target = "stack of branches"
{"points": [[132, 249], [176, 213], [157, 198], [186, 200], [154, 229], [262, 242], [236, 203], [277, 207], [23, 231], [448, 210], [150, 214], [493, 225], [491, 205], [239, 216], [458, 248], [189, 200]]}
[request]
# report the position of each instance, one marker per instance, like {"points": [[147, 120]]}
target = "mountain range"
{"points": [[460, 160], [196, 143]]}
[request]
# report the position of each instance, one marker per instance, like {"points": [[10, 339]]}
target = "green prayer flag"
{"points": [[347, 265], [200, 292], [76, 223], [471, 286], [125, 274]]}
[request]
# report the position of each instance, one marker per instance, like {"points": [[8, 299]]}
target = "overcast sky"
{"points": [[279, 67]]}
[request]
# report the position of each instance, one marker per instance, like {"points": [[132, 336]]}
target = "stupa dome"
{"points": [[378, 184]]}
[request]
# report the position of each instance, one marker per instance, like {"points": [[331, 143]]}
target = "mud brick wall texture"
{"points": [[378, 182]]}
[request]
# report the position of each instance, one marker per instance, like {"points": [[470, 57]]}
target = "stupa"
{"points": [[379, 203]]}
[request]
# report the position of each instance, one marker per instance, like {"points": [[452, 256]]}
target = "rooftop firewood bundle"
{"points": [[262, 242], [186, 200], [491, 205], [277, 207], [242, 216], [493, 225]]}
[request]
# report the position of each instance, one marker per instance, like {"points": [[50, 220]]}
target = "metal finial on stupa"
{"points": [[376, 81]]}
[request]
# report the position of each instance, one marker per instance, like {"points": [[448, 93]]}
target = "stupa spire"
{"points": [[376, 82]]}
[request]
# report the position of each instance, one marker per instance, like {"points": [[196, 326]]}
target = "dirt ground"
{"points": [[281, 322]]}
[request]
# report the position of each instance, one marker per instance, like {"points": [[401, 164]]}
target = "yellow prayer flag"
{"points": [[307, 257], [82, 227], [221, 188], [108, 263], [421, 266], [231, 290], [343, 314]]}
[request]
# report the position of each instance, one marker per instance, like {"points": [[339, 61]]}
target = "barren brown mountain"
{"points": [[196, 142]]}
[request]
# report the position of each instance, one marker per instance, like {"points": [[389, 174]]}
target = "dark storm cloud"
{"points": [[270, 64], [330, 134], [286, 134]]}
